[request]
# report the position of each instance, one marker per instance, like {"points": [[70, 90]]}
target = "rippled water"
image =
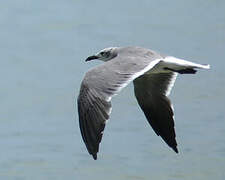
{"points": [[43, 45]]}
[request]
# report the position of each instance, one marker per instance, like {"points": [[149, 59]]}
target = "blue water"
{"points": [[43, 45]]}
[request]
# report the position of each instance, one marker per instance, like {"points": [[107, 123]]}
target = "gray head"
{"points": [[104, 55]]}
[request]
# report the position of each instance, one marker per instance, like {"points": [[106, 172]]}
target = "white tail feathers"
{"points": [[177, 64], [205, 66]]}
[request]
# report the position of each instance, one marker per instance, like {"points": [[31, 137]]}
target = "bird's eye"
{"points": [[102, 53]]}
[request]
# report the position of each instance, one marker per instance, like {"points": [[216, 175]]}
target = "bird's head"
{"points": [[104, 55]]}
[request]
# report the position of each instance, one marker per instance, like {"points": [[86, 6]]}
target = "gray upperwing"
{"points": [[93, 112], [151, 92], [111, 76], [97, 89]]}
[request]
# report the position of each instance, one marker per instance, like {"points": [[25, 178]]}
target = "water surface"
{"points": [[43, 45]]}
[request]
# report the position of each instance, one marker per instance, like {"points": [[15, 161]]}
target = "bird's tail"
{"points": [[182, 66]]}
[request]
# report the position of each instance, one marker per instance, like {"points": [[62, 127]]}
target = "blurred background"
{"points": [[43, 45]]}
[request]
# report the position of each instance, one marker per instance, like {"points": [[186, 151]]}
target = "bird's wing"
{"points": [[151, 91], [93, 112], [97, 88]]}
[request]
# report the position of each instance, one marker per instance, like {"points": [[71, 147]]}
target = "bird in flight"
{"points": [[153, 75]]}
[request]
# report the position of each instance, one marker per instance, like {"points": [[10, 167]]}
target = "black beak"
{"points": [[91, 58]]}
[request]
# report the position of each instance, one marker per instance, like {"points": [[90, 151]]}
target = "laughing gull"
{"points": [[153, 75]]}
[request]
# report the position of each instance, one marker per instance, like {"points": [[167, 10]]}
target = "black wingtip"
{"points": [[183, 71], [175, 149], [94, 156], [187, 71]]}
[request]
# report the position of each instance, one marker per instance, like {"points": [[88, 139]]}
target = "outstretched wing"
{"points": [[97, 89], [151, 91], [93, 112]]}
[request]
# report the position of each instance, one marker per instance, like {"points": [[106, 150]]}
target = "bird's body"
{"points": [[153, 75]]}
